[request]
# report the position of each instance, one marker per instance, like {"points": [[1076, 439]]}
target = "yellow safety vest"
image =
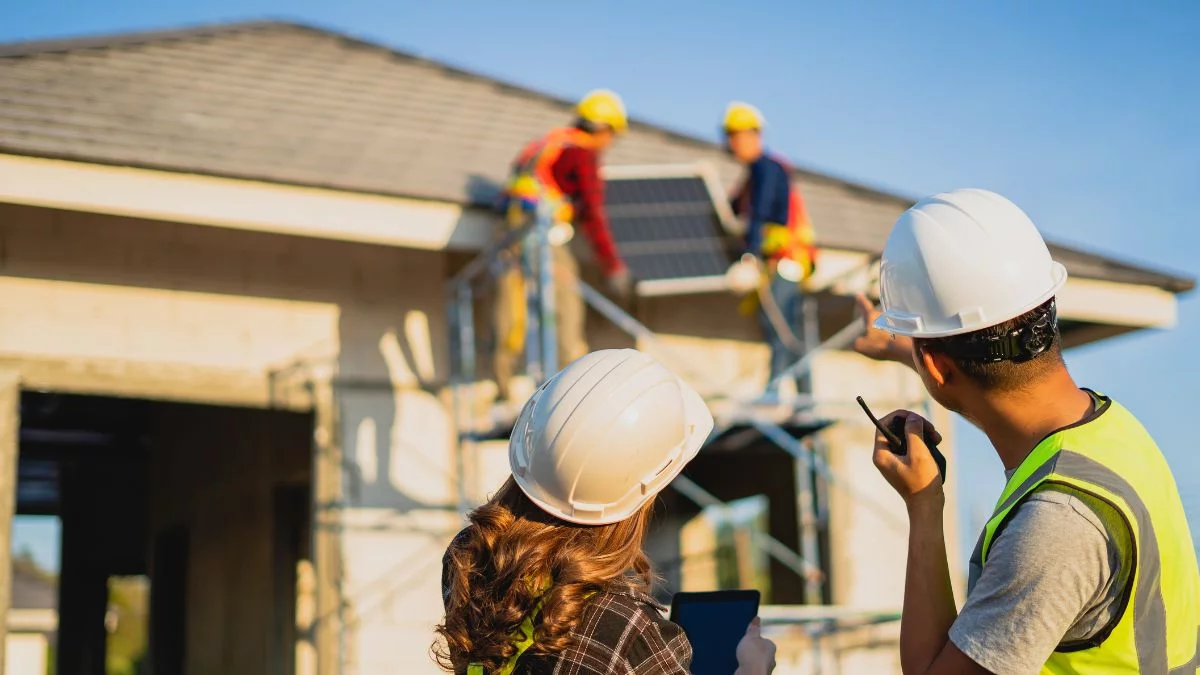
{"points": [[1111, 457]]}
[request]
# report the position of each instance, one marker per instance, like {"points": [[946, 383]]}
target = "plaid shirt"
{"points": [[619, 633]]}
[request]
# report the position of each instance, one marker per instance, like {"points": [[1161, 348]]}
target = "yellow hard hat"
{"points": [[742, 117], [603, 107]]}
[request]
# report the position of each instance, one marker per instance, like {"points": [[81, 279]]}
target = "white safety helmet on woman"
{"points": [[604, 435], [962, 261]]}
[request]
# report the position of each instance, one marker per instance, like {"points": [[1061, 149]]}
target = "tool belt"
{"points": [[786, 253], [523, 201], [788, 243]]}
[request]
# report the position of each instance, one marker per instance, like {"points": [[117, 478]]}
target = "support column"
{"points": [[10, 425], [326, 534]]}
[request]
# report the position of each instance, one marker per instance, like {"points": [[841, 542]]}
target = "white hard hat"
{"points": [[962, 261], [605, 435]]}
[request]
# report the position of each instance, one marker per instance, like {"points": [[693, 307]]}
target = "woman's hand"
{"points": [[755, 653]]}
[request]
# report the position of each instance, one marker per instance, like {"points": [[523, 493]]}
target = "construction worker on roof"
{"points": [[1087, 564], [559, 174], [779, 249]]}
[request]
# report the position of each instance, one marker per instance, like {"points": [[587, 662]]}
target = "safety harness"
{"points": [[791, 241], [789, 250], [532, 192]]}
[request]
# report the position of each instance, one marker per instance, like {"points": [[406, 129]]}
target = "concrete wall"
{"points": [[105, 304]]}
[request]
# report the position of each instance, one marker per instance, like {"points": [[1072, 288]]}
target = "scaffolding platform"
{"points": [[737, 425], [742, 434]]}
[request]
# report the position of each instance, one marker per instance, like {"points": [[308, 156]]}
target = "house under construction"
{"points": [[243, 338]]}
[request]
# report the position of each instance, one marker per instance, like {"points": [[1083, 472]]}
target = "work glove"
{"points": [[620, 284], [744, 275]]}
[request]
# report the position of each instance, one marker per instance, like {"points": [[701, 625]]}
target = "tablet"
{"points": [[714, 622]]}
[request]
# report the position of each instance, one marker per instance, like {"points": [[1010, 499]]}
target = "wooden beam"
{"points": [[157, 381], [242, 204]]}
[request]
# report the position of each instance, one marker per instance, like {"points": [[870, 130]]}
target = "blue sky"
{"points": [[1081, 112]]}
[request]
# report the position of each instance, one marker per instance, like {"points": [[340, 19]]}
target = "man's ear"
{"points": [[941, 368]]}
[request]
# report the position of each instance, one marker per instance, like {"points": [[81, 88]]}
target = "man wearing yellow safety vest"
{"points": [[779, 249], [1087, 564], [558, 176]]}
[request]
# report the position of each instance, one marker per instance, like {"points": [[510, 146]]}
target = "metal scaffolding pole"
{"points": [[547, 314], [619, 317], [794, 447], [810, 543], [463, 378], [534, 264], [804, 567], [530, 259], [770, 430]]}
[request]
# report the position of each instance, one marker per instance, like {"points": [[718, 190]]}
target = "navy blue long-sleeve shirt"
{"points": [[765, 198]]}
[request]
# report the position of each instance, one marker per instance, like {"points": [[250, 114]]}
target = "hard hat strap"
{"points": [[1018, 345]]}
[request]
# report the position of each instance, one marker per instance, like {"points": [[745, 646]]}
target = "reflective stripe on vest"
{"points": [[1111, 457]]}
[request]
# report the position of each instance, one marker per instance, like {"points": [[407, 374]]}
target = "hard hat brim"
{"points": [[916, 327]]}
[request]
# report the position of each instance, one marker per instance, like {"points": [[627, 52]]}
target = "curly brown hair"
{"points": [[497, 570]]}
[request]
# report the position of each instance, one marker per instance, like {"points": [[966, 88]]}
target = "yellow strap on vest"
{"points": [[523, 639]]}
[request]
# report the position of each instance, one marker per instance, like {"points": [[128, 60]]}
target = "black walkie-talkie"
{"points": [[898, 440]]}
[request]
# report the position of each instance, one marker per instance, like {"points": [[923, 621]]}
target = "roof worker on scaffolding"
{"points": [[779, 249], [559, 175]]}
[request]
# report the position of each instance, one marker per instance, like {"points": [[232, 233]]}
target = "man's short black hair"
{"points": [[1007, 356], [589, 126]]}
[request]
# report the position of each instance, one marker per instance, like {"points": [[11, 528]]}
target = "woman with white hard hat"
{"points": [[550, 575], [1087, 563]]}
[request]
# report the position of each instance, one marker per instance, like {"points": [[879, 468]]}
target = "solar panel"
{"points": [[668, 228]]}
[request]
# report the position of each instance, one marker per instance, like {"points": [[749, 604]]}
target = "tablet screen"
{"points": [[714, 623]]}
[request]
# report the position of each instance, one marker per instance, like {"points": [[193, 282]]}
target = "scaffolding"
{"points": [[541, 361]]}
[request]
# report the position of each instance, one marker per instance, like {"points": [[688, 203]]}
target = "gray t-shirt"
{"points": [[1054, 574]]}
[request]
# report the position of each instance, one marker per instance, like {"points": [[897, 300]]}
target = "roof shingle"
{"points": [[289, 103]]}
